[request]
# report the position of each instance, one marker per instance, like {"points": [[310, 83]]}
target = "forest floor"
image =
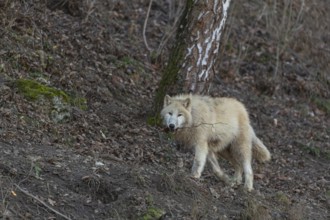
{"points": [[77, 84]]}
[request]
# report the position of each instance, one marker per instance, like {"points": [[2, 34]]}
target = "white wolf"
{"points": [[215, 126]]}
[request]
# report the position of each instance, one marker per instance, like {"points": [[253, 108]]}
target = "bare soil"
{"points": [[104, 161]]}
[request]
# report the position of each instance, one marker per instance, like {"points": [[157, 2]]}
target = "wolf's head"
{"points": [[176, 112]]}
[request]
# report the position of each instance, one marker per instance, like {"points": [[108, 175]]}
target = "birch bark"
{"points": [[189, 69]]}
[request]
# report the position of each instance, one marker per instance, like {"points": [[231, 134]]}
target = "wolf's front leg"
{"points": [[201, 152]]}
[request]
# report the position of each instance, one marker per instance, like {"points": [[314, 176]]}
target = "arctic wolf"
{"points": [[215, 127]]}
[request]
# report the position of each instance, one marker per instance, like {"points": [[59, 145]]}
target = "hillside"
{"points": [[77, 84]]}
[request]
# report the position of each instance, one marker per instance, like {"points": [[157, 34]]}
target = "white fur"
{"points": [[175, 119], [215, 126]]}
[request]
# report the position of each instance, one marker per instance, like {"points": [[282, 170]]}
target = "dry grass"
{"points": [[255, 211]]}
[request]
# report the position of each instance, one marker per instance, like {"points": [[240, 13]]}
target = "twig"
{"points": [[166, 38], [174, 27], [112, 157], [42, 202], [204, 123], [195, 126], [145, 26], [91, 7]]}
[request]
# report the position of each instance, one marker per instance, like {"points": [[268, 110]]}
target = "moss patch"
{"points": [[79, 102], [323, 104], [154, 120], [328, 193], [255, 211], [314, 151], [61, 103], [152, 213], [282, 198], [33, 90]]}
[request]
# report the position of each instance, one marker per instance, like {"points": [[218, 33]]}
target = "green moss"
{"points": [[328, 193], [190, 4], [322, 103], [154, 56], [265, 58], [315, 151], [152, 214], [149, 199], [282, 198], [327, 155], [169, 78], [37, 170], [228, 46], [154, 120], [79, 102], [33, 90], [128, 61]]}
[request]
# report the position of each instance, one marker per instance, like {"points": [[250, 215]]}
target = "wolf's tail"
{"points": [[259, 150]]}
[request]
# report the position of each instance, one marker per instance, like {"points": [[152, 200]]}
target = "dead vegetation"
{"points": [[105, 162]]}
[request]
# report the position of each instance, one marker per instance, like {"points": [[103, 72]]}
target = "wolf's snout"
{"points": [[171, 127]]}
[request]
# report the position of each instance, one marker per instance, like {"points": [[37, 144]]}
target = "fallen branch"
{"points": [[42, 202]]}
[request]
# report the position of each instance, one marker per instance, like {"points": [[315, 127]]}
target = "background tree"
{"points": [[189, 69]]}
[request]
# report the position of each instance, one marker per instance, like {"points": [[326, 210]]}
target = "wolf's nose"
{"points": [[171, 126]]}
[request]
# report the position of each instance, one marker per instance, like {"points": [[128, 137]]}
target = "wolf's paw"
{"points": [[195, 175], [231, 184], [237, 180], [234, 182], [248, 188], [227, 180]]}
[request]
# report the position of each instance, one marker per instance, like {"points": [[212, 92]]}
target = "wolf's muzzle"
{"points": [[171, 127]]}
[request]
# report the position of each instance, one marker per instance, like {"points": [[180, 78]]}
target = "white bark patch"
{"points": [[200, 53], [190, 49], [200, 16], [204, 34], [203, 57], [215, 6], [208, 48]]}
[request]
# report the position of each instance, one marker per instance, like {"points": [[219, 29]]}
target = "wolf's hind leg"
{"points": [[216, 168], [201, 152], [241, 151]]}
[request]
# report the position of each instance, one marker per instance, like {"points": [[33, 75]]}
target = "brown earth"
{"points": [[97, 157]]}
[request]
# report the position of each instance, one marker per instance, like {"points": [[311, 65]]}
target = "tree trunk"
{"points": [[189, 69]]}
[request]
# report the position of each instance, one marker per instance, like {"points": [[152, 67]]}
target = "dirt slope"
{"points": [[76, 84]]}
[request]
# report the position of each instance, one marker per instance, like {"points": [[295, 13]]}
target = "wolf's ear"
{"points": [[187, 103], [167, 100]]}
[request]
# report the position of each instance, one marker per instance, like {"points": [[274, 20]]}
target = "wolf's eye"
{"points": [[179, 115], [170, 113]]}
